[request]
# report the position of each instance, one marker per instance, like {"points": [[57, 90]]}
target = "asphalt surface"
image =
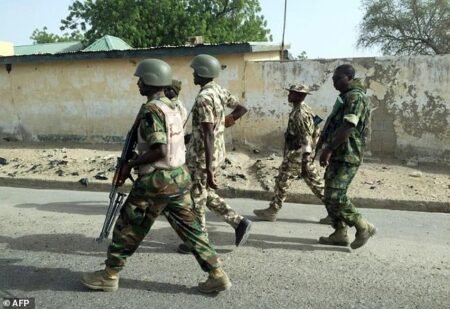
{"points": [[47, 242]]}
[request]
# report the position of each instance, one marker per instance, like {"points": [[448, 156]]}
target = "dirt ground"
{"points": [[377, 178]]}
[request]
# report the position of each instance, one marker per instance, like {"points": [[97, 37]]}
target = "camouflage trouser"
{"points": [[290, 168], [338, 177], [137, 217], [203, 197]]}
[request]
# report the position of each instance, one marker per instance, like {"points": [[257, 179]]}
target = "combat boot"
{"points": [[268, 214], [338, 238], [327, 220], [242, 231], [364, 230], [105, 280], [217, 281], [184, 249]]}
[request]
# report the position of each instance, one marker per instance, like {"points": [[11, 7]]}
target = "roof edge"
{"points": [[157, 52]]}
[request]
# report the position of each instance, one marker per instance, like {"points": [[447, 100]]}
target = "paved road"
{"points": [[46, 242]]}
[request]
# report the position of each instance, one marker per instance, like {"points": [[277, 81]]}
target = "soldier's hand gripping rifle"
{"points": [[116, 198]]}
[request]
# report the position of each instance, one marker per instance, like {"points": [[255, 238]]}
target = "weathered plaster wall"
{"points": [[96, 101], [410, 97], [87, 101]]}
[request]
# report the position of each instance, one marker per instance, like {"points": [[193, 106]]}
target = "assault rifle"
{"points": [[116, 198]]}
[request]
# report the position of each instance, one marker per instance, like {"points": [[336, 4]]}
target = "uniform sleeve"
{"points": [[205, 109], [153, 129], [353, 108], [306, 130], [231, 100]]}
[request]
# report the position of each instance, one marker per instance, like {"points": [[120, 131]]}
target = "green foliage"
{"points": [[409, 27], [302, 56], [42, 36], [144, 23]]}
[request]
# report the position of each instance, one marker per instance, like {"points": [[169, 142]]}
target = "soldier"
{"points": [[173, 93], [162, 186], [300, 139], [342, 151], [206, 149]]}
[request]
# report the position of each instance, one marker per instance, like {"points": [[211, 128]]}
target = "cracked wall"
{"points": [[97, 100], [410, 99]]}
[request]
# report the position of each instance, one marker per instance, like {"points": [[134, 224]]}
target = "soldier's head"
{"points": [[298, 93], [206, 68], [154, 75], [343, 77], [173, 90]]}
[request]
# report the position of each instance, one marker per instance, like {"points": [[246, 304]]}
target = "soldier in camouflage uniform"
{"points": [[342, 151], [172, 92], [162, 187], [300, 139], [206, 149]]}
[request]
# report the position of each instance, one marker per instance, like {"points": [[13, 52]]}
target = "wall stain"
{"points": [[431, 118]]}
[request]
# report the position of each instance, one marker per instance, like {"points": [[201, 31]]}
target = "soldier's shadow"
{"points": [[265, 241], [100, 207], [30, 278], [81, 207], [158, 240], [162, 240]]}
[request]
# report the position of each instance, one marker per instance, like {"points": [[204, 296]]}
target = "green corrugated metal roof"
{"points": [[48, 48], [108, 42], [150, 52]]}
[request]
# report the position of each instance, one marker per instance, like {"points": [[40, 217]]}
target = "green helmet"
{"points": [[154, 72], [206, 66]]}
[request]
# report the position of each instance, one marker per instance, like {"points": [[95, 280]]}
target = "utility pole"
{"points": [[284, 30]]}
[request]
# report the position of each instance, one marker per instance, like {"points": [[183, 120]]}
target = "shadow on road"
{"points": [[76, 244], [163, 240], [100, 208], [28, 278], [81, 207]]}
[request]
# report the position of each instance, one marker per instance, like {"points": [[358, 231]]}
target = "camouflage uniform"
{"points": [[351, 106], [301, 126], [161, 191], [209, 108]]}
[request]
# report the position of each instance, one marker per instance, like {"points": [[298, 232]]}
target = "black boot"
{"points": [[242, 231]]}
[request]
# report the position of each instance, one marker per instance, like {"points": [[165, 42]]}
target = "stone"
{"points": [[3, 161], [60, 173], [416, 174], [84, 181], [101, 176], [243, 176]]}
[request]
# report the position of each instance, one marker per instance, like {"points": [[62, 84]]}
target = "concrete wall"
{"points": [[410, 97], [87, 101], [96, 101]]}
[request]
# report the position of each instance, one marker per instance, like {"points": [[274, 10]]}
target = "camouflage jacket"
{"points": [[301, 127], [152, 128], [352, 106], [209, 107]]}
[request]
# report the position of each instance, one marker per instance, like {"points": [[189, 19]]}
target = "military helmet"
{"points": [[206, 66], [154, 72]]}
